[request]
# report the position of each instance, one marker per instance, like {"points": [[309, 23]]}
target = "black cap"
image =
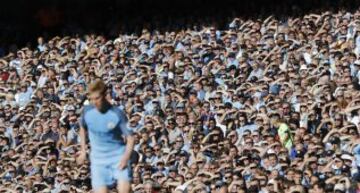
{"points": [[334, 140]]}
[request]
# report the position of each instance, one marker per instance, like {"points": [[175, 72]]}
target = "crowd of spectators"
{"points": [[263, 106]]}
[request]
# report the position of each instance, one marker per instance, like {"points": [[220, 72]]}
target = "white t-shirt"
{"points": [[42, 81]]}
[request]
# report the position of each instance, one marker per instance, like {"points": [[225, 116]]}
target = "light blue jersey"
{"points": [[106, 132]]}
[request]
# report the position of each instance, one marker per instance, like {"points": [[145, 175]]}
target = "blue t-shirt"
{"points": [[106, 132]]}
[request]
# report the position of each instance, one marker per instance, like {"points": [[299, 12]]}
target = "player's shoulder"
{"points": [[88, 108], [117, 110]]}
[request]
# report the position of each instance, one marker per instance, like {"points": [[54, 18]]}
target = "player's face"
{"points": [[97, 99]]}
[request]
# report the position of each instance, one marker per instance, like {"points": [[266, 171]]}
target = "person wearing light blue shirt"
{"points": [[23, 97], [111, 141]]}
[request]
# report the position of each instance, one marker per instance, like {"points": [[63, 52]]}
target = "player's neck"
{"points": [[105, 107]]}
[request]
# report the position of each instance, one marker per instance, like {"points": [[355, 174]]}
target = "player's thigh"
{"points": [[102, 189], [123, 186]]}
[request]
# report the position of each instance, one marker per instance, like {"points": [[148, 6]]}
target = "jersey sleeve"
{"points": [[82, 121], [123, 124]]}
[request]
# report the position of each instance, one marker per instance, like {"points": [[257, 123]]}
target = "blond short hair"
{"points": [[97, 86]]}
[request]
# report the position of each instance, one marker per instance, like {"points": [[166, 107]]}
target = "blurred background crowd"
{"points": [[255, 104]]}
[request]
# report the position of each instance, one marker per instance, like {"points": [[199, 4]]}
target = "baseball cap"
{"points": [[322, 161], [339, 187], [160, 162], [346, 157], [303, 67], [183, 153], [180, 105], [219, 183], [271, 151], [274, 89], [70, 108], [173, 169]]}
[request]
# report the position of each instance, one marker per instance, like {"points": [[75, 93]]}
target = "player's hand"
{"points": [[81, 157], [123, 162]]}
